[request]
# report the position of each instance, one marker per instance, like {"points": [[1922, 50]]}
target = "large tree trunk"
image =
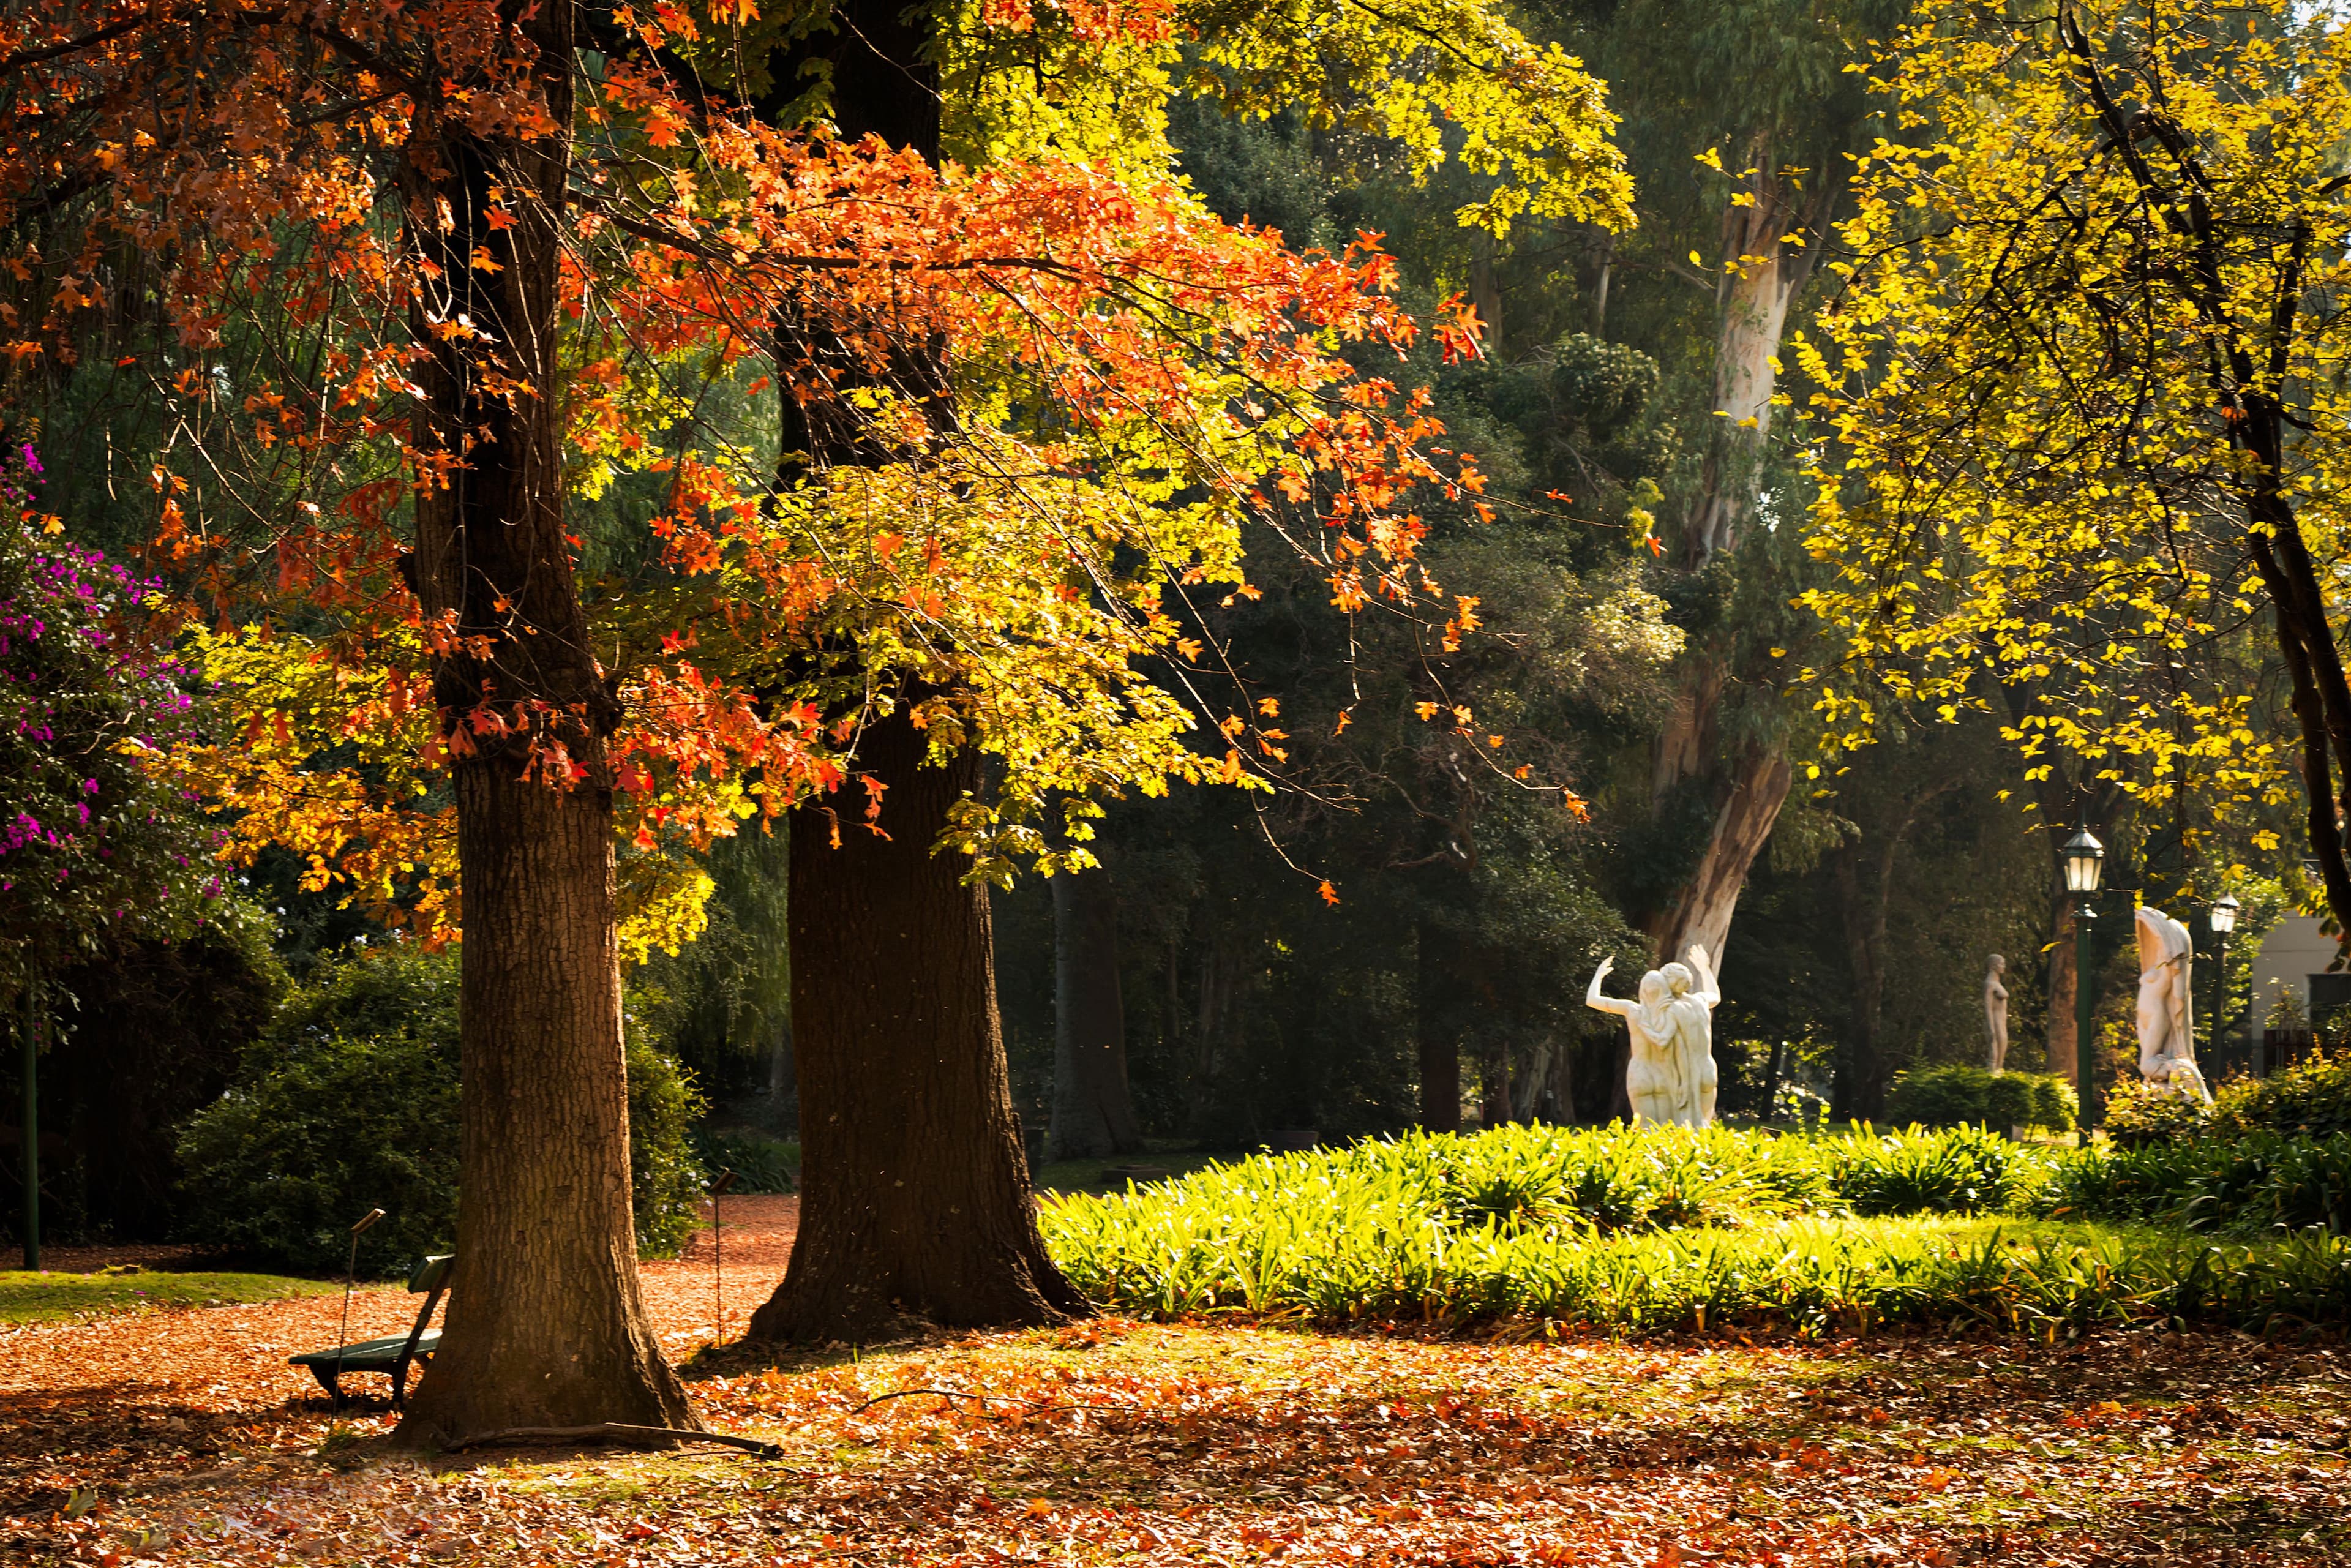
{"points": [[1093, 1114], [1764, 277], [1701, 915], [914, 1192], [545, 1325]]}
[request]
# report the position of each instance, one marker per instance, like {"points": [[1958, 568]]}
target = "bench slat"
{"points": [[369, 1354]]}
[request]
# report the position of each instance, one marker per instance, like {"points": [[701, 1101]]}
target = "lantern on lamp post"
{"points": [[2224, 920], [2084, 861]]}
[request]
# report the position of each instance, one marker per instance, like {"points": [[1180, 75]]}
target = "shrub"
{"points": [[759, 1164], [1963, 1170], [2312, 1097], [1956, 1096], [2137, 1116], [2246, 1186], [350, 1103]]}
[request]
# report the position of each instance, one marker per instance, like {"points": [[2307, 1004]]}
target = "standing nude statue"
{"points": [[1694, 1029], [1996, 1015]]}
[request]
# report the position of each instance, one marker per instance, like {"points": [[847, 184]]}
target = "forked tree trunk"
{"points": [[1701, 914], [914, 1195], [1093, 1112], [545, 1326]]}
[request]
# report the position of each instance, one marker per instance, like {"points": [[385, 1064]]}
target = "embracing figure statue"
{"points": [[1672, 1078]]}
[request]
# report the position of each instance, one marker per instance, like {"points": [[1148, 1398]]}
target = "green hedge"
{"points": [[350, 1103], [1970, 1096]]}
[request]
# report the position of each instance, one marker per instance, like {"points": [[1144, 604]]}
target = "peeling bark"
{"points": [[1755, 296], [1702, 914]]}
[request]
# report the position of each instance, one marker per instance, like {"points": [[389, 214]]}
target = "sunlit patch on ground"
{"points": [[180, 1439]]}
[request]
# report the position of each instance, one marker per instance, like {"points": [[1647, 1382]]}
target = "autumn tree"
{"points": [[888, 1218], [413, 279], [2083, 405]]}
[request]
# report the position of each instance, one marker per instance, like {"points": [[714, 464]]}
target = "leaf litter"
{"points": [[183, 1438]]}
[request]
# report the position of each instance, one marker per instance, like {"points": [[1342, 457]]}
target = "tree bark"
{"points": [[1755, 296], [1093, 1114], [1486, 292], [914, 1195], [1438, 1025], [545, 1325], [1863, 906], [1702, 914]]}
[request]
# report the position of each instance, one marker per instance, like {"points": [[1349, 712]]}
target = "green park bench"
{"points": [[390, 1356]]}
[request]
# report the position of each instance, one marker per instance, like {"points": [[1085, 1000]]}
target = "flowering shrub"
{"points": [[96, 840]]}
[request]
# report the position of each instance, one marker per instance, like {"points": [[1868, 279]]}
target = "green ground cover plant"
{"points": [[1645, 1230], [48, 1297]]}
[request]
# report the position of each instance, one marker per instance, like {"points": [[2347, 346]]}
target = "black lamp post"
{"points": [[2224, 920], [2084, 863]]}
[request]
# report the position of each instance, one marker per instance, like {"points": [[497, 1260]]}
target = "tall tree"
{"points": [[2080, 379], [1744, 128], [1094, 1109], [459, 267]]}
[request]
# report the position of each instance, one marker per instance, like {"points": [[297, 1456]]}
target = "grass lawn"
{"points": [[48, 1297]]}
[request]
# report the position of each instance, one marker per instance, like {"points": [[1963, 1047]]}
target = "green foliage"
{"points": [[1162, 1252], [1956, 1096], [2311, 1096], [665, 1181], [2247, 1187], [350, 1103], [1964, 1170], [760, 1165], [2137, 1116]]}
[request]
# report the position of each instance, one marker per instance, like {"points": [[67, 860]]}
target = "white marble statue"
{"points": [[1672, 1076], [1995, 998], [2166, 1038]]}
